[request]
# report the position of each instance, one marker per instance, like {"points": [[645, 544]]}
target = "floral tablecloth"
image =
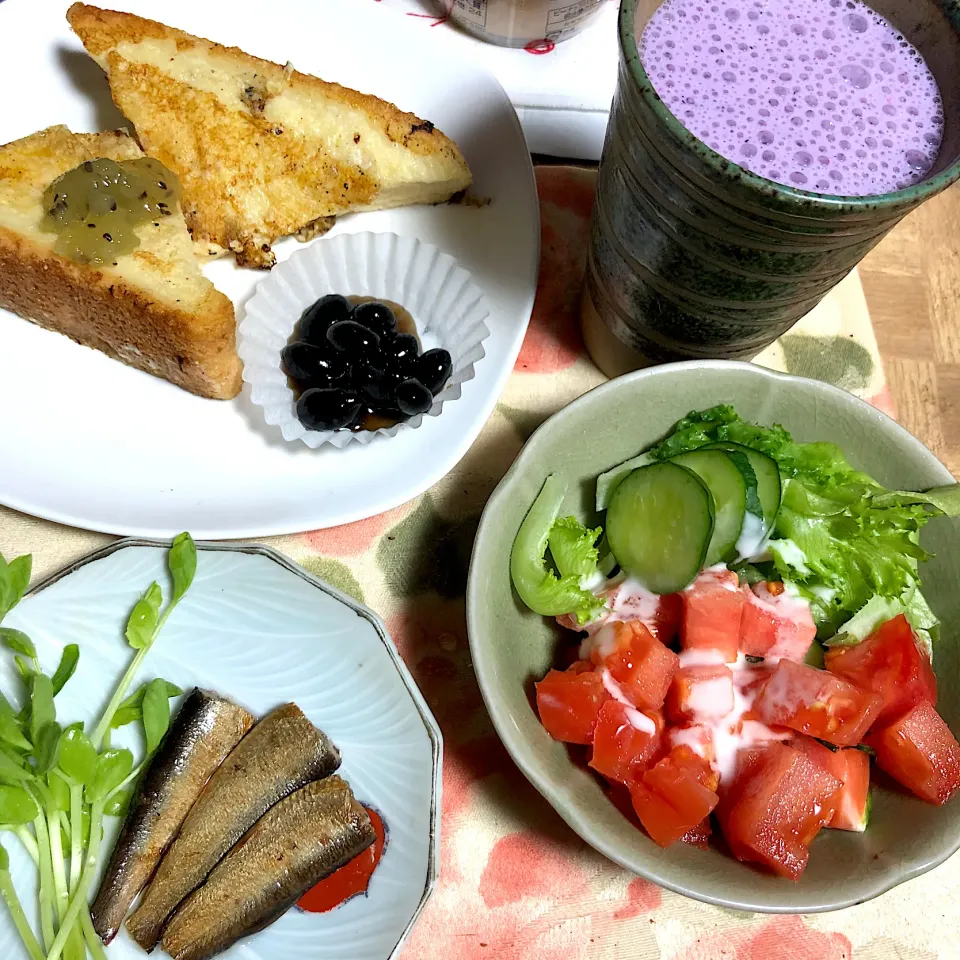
{"points": [[516, 883]]}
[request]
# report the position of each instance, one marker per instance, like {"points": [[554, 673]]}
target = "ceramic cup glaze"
{"points": [[693, 256]]}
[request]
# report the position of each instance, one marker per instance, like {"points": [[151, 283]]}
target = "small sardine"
{"points": [[279, 755], [203, 733], [303, 839]]}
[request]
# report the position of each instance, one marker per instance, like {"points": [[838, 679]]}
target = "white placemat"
{"points": [[562, 92]]}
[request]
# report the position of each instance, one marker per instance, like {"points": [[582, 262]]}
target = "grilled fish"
{"points": [[201, 736], [279, 755], [303, 839]]}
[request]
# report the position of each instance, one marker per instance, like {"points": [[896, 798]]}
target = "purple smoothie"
{"points": [[822, 95]]}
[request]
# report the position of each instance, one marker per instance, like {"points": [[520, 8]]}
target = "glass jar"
{"points": [[519, 23]]}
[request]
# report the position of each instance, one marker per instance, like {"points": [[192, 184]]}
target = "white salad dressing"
{"points": [[638, 720], [790, 554], [788, 603], [627, 599], [593, 581], [821, 592], [696, 738], [727, 583], [634, 601], [603, 643], [752, 541], [712, 698], [700, 657], [730, 733]]}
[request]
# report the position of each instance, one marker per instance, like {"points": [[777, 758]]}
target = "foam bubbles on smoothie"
{"points": [[823, 95]]}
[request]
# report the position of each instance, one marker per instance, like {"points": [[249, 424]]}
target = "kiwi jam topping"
{"points": [[95, 208]]}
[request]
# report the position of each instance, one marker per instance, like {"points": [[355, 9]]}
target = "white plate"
{"points": [[87, 441], [260, 630]]}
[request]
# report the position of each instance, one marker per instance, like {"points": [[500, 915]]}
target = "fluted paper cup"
{"points": [[447, 306]]}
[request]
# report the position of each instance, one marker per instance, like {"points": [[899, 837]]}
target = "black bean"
{"points": [[433, 369], [359, 343], [377, 316], [313, 366], [402, 348], [329, 408], [318, 317], [413, 397]]}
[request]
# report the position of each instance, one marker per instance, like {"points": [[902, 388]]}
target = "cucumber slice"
{"points": [[767, 473], [742, 462], [609, 481], [660, 524], [725, 482]]}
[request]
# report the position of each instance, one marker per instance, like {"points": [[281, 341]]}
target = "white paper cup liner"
{"points": [[446, 305]]}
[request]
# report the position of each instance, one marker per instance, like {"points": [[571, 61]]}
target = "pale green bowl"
{"points": [[512, 647]]}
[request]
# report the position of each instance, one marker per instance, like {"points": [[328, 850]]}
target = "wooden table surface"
{"points": [[912, 283]]}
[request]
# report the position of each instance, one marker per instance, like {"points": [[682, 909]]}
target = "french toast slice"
{"points": [[262, 151], [152, 309]]}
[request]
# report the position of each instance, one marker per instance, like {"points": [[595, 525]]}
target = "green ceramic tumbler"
{"points": [[692, 256]]}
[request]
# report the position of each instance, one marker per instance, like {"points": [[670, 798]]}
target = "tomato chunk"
{"points": [[700, 692], [625, 742], [669, 619], [816, 703], [699, 836], [675, 796], [783, 802], [748, 762], [774, 624], [919, 751], [698, 737], [712, 610], [661, 615], [889, 663], [852, 768], [639, 663], [569, 703]]}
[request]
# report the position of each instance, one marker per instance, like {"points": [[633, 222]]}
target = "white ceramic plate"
{"points": [[87, 441], [257, 628]]}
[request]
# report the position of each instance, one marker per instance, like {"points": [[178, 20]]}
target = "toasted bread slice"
{"points": [[262, 151], [153, 309]]}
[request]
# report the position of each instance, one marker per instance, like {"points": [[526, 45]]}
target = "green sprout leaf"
{"points": [[11, 771], [19, 572], [78, 758], [131, 710], [17, 807], [66, 668], [14, 579], [10, 731], [144, 617], [18, 642], [113, 768], [125, 716], [156, 714], [182, 561], [119, 803], [59, 794], [46, 746], [42, 710], [25, 669]]}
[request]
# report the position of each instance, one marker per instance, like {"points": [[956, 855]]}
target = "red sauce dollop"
{"points": [[351, 879]]}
